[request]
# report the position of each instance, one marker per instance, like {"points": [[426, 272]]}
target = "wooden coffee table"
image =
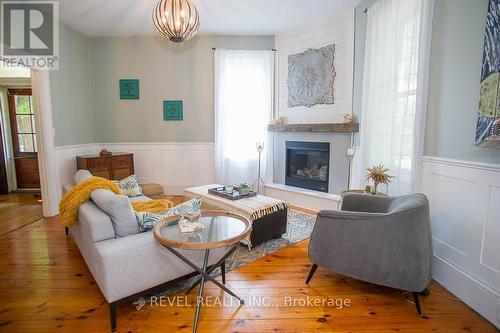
{"points": [[222, 229]]}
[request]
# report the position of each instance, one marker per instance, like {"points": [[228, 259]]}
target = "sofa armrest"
{"points": [[94, 222]]}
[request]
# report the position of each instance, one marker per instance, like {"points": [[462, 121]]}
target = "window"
{"points": [[243, 108], [22, 120]]}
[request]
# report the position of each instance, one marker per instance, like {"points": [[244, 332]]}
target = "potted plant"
{"points": [[378, 175], [244, 189]]}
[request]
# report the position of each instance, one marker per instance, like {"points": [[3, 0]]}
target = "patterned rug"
{"points": [[300, 226]]}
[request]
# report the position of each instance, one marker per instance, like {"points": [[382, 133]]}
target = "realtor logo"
{"points": [[30, 34]]}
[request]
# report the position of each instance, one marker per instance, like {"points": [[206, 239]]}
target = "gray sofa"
{"points": [[126, 266], [382, 240]]}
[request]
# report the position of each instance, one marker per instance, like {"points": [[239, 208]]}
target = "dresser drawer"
{"points": [[98, 163], [121, 161]]}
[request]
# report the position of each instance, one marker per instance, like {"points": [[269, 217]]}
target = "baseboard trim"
{"points": [[473, 292]]}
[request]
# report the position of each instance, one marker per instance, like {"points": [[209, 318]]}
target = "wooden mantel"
{"points": [[337, 127]]}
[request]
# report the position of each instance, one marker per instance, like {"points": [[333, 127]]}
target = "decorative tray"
{"points": [[220, 191]]}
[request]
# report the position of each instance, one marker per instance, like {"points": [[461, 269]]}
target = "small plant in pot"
{"points": [[244, 189], [378, 175]]}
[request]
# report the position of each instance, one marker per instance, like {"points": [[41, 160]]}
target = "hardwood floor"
{"points": [[17, 210], [45, 286]]}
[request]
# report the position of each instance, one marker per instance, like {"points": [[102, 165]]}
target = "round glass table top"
{"points": [[221, 229]]}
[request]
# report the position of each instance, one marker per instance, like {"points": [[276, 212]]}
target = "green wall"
{"points": [[70, 89], [456, 57], [165, 71]]}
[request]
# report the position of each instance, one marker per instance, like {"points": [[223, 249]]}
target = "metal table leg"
{"points": [[205, 275], [219, 263], [200, 292]]}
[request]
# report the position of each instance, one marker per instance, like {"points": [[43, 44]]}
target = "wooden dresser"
{"points": [[114, 167]]}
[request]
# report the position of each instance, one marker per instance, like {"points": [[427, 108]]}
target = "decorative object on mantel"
{"points": [[176, 20], [310, 77], [172, 110], [378, 174], [259, 180], [129, 89], [279, 120], [105, 152], [348, 118], [488, 115], [336, 127]]}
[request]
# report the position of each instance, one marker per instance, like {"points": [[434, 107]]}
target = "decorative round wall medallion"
{"points": [[310, 77]]}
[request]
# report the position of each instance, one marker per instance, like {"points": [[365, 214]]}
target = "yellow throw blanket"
{"points": [[71, 200]]}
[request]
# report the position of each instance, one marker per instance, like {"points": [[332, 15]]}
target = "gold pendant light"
{"points": [[176, 20]]}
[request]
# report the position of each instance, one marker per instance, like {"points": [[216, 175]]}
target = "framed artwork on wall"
{"points": [[310, 77], [488, 115], [129, 89], [172, 110]]}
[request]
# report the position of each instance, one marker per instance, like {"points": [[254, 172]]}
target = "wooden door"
{"points": [[22, 123]]}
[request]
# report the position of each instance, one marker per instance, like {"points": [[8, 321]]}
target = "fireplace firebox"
{"points": [[308, 165]]}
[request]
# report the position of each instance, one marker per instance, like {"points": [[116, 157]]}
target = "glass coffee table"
{"points": [[222, 229]]}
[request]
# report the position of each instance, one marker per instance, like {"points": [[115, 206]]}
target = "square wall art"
{"points": [[172, 110], [129, 89]]}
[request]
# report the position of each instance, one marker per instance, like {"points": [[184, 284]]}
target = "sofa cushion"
{"points": [[82, 175], [119, 209], [129, 186], [147, 221]]}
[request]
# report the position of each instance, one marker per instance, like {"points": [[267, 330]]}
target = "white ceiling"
{"points": [[133, 17]]}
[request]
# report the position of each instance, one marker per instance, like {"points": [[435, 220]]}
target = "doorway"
{"points": [[22, 121]]}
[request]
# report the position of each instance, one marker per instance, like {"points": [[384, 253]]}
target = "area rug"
{"points": [[300, 226]]}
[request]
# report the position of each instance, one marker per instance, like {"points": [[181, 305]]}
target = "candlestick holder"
{"points": [[259, 180]]}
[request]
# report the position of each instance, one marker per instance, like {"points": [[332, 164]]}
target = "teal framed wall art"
{"points": [[172, 110], [129, 89]]}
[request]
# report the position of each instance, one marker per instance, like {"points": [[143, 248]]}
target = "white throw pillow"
{"points": [[82, 175], [119, 209]]}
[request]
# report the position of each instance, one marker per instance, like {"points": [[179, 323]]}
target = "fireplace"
{"points": [[308, 165]]}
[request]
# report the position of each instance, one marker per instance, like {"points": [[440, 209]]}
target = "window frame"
{"points": [[13, 122]]}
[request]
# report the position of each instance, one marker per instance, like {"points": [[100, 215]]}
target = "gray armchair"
{"points": [[382, 240]]}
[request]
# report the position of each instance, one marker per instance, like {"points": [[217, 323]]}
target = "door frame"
{"points": [[47, 164], [14, 132]]}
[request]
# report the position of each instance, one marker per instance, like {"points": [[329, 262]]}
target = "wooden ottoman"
{"points": [[152, 190], [268, 216]]}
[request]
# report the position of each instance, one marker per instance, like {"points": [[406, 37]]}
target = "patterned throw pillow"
{"points": [[129, 186], [147, 221]]}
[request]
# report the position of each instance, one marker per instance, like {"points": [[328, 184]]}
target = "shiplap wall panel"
{"points": [[337, 29]]}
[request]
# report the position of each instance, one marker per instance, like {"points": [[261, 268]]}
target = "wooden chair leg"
{"points": [[311, 273], [223, 269], [66, 230], [417, 303], [112, 315]]}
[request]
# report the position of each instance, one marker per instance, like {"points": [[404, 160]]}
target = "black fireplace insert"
{"points": [[308, 165]]}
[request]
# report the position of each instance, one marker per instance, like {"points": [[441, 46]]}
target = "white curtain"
{"points": [[243, 109], [395, 89]]}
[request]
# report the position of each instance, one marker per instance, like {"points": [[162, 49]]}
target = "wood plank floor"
{"points": [[45, 286], [17, 210]]}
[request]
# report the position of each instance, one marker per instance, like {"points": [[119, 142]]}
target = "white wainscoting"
{"points": [[174, 165], [337, 29], [465, 215]]}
